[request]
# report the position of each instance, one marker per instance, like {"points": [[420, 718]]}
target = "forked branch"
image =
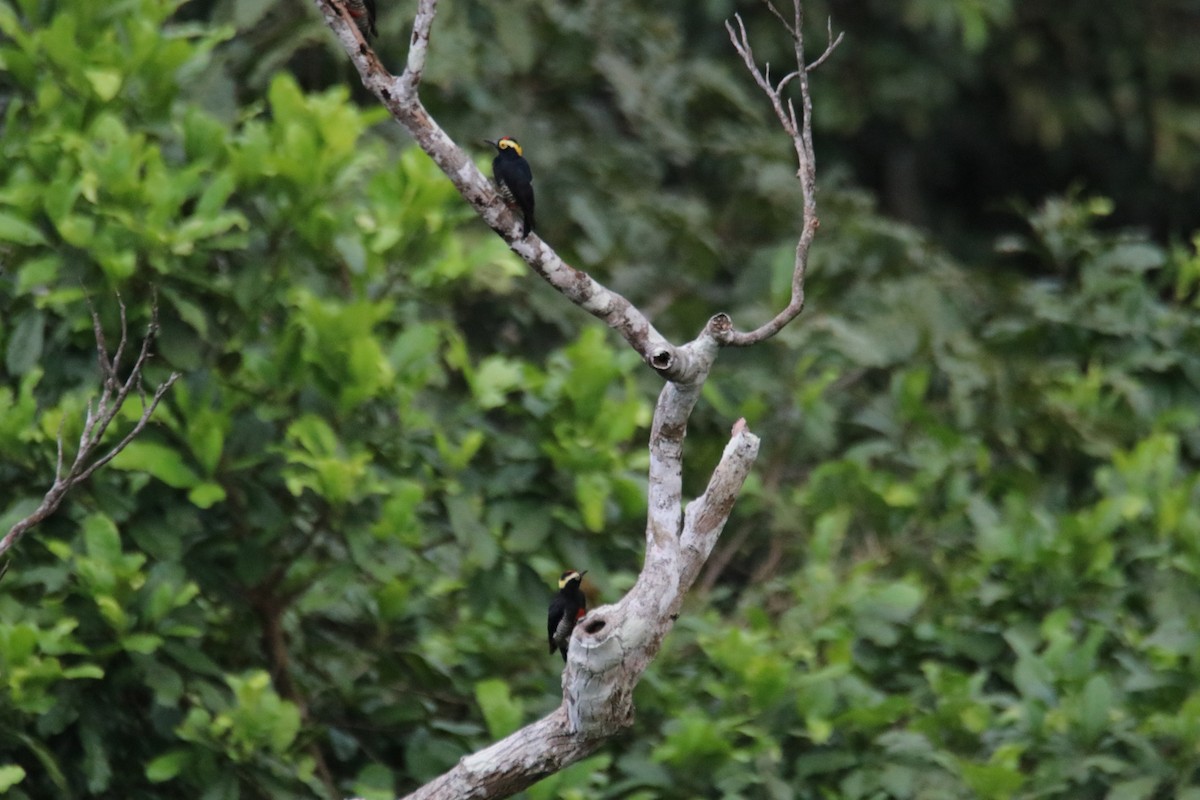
{"points": [[612, 646], [799, 129], [115, 390]]}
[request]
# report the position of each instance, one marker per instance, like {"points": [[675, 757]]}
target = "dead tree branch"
{"points": [[613, 645], [114, 392], [800, 131], [399, 94]]}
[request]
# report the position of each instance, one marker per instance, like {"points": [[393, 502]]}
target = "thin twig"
{"points": [[799, 128], [147, 412], [787, 26], [113, 394], [58, 461], [833, 43]]}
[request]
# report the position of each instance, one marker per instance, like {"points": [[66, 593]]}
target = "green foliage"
{"points": [[263, 581], [999, 536], [965, 565], [502, 712]]}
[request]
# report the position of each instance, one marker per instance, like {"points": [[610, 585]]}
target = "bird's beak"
{"points": [[493, 144], [583, 573]]}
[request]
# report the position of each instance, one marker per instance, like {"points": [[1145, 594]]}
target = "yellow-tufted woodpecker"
{"points": [[566, 609], [363, 12], [513, 177]]}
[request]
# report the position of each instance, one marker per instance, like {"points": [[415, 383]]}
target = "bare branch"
{"points": [[58, 462], [741, 42], [799, 128], [114, 392], [829, 48], [418, 47], [101, 343], [513, 763], [114, 366], [399, 96], [613, 645], [706, 516], [787, 26], [147, 412], [675, 404]]}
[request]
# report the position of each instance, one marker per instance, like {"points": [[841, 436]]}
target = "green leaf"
{"points": [[694, 740], [1095, 706], [897, 601], [399, 514], [19, 644], [1132, 256], [96, 763], [144, 643], [25, 343], [206, 495], [49, 763], [157, 460], [38, 272], [189, 312], [102, 539], [77, 229], [458, 457], [430, 754], [578, 782], [375, 782], [10, 776], [470, 530], [1135, 789], [495, 377], [502, 713], [167, 766], [18, 231], [992, 781], [105, 82], [901, 495], [592, 490], [84, 671]]}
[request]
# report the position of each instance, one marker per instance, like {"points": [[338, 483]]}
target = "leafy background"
{"points": [[966, 563]]}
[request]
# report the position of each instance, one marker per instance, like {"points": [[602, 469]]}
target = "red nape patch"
{"points": [[580, 614]]}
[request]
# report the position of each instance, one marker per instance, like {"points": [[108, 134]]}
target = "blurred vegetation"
{"points": [[964, 567]]}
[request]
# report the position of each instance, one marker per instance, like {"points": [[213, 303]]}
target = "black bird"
{"points": [[566, 609], [513, 177], [363, 12]]}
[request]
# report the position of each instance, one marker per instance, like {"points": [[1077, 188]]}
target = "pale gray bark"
{"points": [[612, 645], [114, 392]]}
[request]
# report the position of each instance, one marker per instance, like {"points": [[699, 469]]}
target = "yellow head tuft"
{"points": [[507, 143], [570, 575]]}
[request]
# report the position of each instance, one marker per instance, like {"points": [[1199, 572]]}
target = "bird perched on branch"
{"points": [[566, 609], [513, 177], [363, 12]]}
